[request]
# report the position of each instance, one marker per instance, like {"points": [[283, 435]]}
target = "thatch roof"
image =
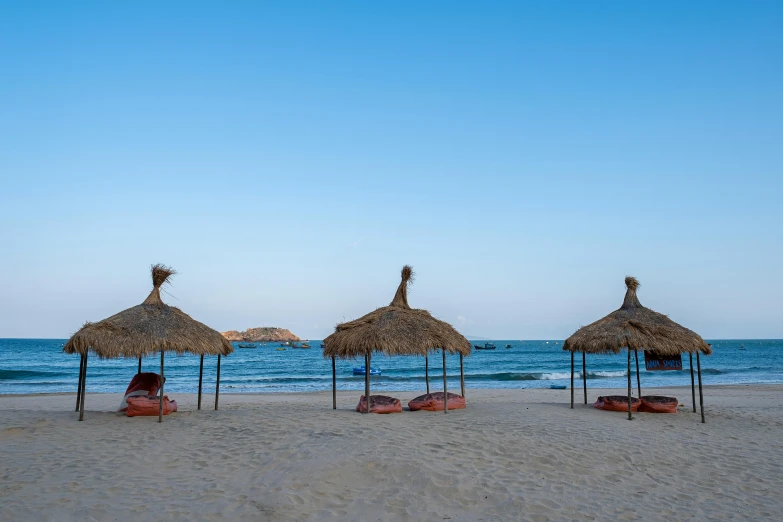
{"points": [[147, 328], [637, 328], [396, 329]]}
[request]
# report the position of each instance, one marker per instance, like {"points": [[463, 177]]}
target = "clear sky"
{"points": [[288, 158]]}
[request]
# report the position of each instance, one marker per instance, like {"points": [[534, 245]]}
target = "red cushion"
{"points": [[616, 403], [434, 402], [380, 404], [658, 404], [149, 406]]}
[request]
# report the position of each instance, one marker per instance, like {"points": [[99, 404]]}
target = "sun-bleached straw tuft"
{"points": [[635, 327], [401, 297], [161, 274], [396, 329], [148, 328]]}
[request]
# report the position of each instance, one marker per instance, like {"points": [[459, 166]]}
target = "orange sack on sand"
{"points": [[616, 403], [434, 402], [146, 383], [149, 406], [658, 404], [380, 404]]}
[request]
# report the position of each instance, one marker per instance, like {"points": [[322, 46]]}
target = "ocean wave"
{"points": [[391, 377], [541, 376], [554, 376], [606, 374]]}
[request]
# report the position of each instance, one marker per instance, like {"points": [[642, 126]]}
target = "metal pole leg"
{"points": [[334, 385], [461, 376], [217, 384], [427, 372], [638, 381], [84, 389], [584, 375], [445, 390], [162, 385], [693, 384], [630, 417], [367, 381], [200, 379], [81, 376], [572, 380]]}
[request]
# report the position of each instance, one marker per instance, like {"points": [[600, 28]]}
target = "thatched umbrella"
{"points": [[634, 327], [146, 329], [396, 329]]}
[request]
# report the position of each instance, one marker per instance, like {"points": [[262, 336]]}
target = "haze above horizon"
{"points": [[288, 159]]}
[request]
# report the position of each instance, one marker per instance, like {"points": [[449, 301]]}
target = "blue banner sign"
{"points": [[655, 362]]}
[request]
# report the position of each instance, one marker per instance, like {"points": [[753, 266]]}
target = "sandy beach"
{"points": [[511, 455]]}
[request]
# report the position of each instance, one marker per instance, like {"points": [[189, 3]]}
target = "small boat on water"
{"points": [[487, 346], [303, 346], [558, 386], [508, 346], [246, 345], [361, 371], [281, 349]]}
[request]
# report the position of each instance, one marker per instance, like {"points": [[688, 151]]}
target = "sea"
{"points": [[40, 366]]}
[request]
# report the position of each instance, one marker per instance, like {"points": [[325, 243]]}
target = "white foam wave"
{"points": [[621, 373], [553, 376]]}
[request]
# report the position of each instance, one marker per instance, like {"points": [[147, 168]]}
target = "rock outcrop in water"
{"points": [[263, 334]]}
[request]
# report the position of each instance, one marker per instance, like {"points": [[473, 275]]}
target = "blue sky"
{"points": [[287, 159]]}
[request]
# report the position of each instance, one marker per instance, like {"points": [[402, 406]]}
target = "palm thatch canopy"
{"points": [[148, 328], [637, 328], [396, 329]]}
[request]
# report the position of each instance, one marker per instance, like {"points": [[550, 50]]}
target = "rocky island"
{"points": [[263, 334]]}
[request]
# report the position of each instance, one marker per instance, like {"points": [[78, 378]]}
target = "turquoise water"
{"points": [[39, 366]]}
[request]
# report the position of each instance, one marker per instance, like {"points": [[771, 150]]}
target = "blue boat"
{"points": [[560, 387], [361, 371]]}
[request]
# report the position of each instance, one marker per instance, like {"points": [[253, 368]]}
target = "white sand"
{"points": [[512, 455]]}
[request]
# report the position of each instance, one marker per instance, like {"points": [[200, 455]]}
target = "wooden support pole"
{"points": [[200, 379], [81, 376], [461, 376], [584, 375], [701, 397], [139, 364], [427, 372], [334, 384], [638, 381], [630, 417], [445, 390], [367, 380], [217, 384], [84, 389], [572, 380], [693, 384], [162, 385]]}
